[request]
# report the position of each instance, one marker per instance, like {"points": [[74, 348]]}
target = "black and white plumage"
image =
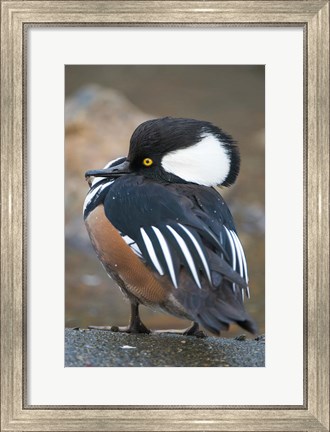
{"points": [[161, 201]]}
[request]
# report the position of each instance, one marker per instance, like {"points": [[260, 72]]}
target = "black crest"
{"points": [[160, 136]]}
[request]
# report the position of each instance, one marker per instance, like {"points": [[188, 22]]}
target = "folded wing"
{"points": [[188, 238]]}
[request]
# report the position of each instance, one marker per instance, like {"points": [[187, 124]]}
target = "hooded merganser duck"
{"points": [[162, 231]]}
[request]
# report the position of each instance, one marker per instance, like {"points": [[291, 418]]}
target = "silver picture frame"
{"points": [[16, 18]]}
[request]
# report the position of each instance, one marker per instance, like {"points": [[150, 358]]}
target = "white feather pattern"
{"points": [[200, 252], [232, 247], [91, 194], [151, 251], [127, 239], [97, 180], [187, 254], [239, 253], [206, 162], [244, 265], [167, 254], [233, 253], [135, 248], [131, 243], [108, 165], [243, 256]]}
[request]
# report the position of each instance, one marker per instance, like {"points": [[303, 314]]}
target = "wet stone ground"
{"points": [[98, 348]]}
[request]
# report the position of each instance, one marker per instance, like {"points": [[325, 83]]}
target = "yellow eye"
{"points": [[147, 162]]}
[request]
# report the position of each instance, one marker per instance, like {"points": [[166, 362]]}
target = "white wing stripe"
{"points": [[187, 254], [110, 163], [151, 251], [242, 254], [232, 247], [97, 180], [167, 254], [239, 253], [233, 253], [199, 250], [127, 239], [93, 192], [131, 243], [135, 248]]}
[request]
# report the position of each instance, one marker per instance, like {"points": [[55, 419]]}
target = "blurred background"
{"points": [[104, 104]]}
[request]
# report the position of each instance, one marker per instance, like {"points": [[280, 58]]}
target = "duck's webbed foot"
{"points": [[135, 326], [142, 329], [193, 330]]}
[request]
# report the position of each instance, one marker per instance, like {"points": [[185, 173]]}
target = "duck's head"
{"points": [[178, 150]]}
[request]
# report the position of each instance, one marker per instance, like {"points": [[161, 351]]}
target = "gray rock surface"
{"points": [[99, 348]]}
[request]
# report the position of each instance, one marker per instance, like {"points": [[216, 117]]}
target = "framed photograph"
{"points": [[254, 65]]}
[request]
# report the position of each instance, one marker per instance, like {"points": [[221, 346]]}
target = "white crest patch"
{"points": [[206, 163]]}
